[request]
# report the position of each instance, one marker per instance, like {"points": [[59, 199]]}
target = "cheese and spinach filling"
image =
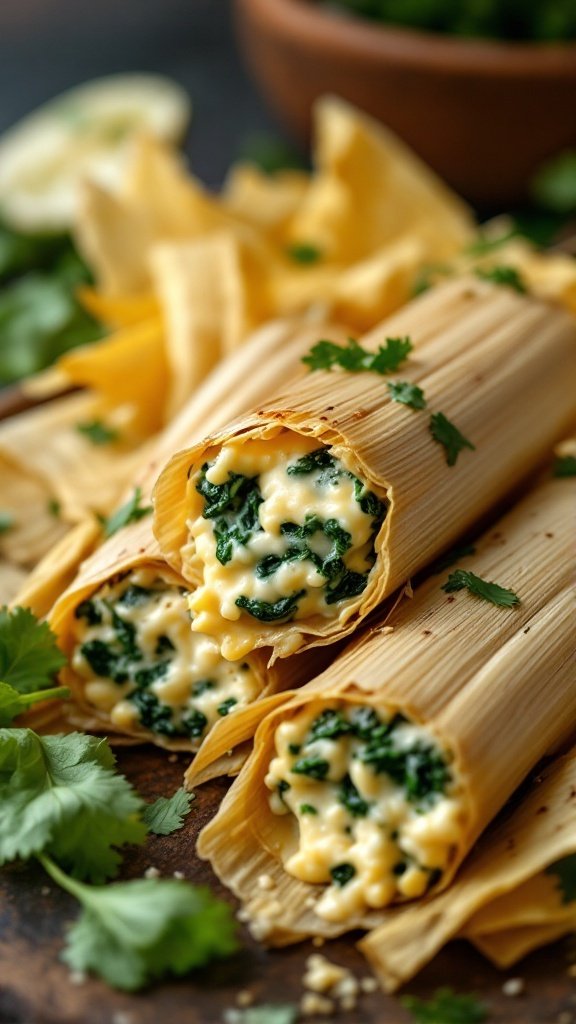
{"points": [[142, 665], [280, 530], [377, 802]]}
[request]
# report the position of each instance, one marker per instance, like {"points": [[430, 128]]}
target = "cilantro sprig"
{"points": [[407, 394], [446, 1007], [167, 814], [324, 355], [565, 465], [448, 435], [98, 432], [504, 275], [462, 579], [565, 871], [130, 933], [130, 512], [7, 521]]}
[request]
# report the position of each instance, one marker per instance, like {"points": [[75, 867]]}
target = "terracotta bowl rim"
{"points": [[308, 25]]}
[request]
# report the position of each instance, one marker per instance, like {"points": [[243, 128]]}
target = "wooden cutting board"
{"points": [[35, 988]]}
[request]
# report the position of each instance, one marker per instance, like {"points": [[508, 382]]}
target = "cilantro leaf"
{"points": [[485, 244], [98, 432], [565, 870], [13, 703], [54, 507], [510, 277], [446, 434], [267, 1013], [29, 655], [355, 359], [461, 579], [270, 154], [565, 465], [446, 1007], [554, 184], [130, 512], [132, 932], [61, 795], [167, 814], [7, 521], [406, 393], [304, 253]]}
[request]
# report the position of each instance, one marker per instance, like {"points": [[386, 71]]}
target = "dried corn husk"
{"points": [[501, 899]]}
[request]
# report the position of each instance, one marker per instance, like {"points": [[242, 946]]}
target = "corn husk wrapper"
{"points": [[501, 899], [495, 686], [500, 366], [53, 477], [270, 357]]}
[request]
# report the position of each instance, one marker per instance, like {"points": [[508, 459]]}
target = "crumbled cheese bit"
{"points": [[179, 875], [245, 997], [271, 909], [173, 758], [77, 977], [513, 987], [368, 984], [321, 974], [121, 1017], [45, 890], [313, 1005], [260, 930], [266, 882], [243, 916], [310, 901], [152, 872], [347, 988]]}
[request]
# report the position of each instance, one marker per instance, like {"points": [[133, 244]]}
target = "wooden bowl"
{"points": [[484, 114]]}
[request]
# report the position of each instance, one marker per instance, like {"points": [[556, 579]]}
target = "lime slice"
{"points": [[82, 133]]}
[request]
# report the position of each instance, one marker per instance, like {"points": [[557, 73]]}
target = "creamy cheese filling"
{"points": [[279, 530], [143, 666], [377, 802]]}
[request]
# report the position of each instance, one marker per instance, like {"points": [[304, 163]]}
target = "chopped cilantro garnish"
{"points": [[565, 871], [304, 253], [7, 521], [270, 154], [446, 434], [167, 814], [130, 512], [446, 1007], [329, 725], [407, 394], [98, 432], [565, 465], [510, 277], [342, 874], [355, 359], [54, 507], [462, 579]]}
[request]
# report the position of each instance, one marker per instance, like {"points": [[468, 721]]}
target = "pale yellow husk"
{"points": [[270, 356], [502, 367], [500, 886], [495, 686]]}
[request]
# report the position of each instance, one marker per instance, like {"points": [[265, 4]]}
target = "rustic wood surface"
{"points": [[35, 988]]}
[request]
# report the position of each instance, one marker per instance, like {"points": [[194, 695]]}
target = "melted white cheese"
{"points": [[395, 849], [196, 678], [286, 499]]}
